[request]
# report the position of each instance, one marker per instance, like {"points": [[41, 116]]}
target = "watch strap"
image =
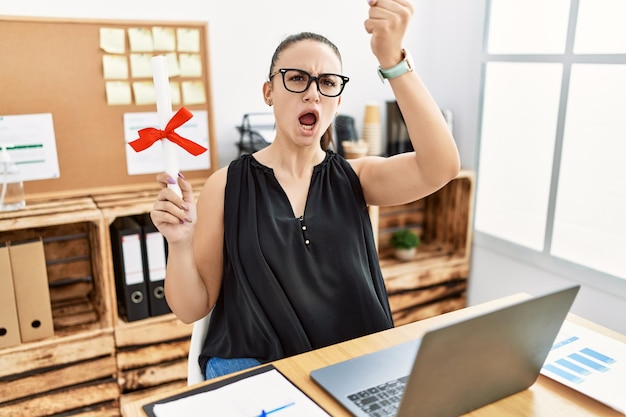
{"points": [[397, 70]]}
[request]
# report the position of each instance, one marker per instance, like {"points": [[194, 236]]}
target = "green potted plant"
{"points": [[404, 242]]}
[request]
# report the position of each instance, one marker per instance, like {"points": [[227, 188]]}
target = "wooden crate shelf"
{"points": [[136, 201], [151, 353], [72, 231], [435, 281], [406, 276], [59, 375], [150, 392], [44, 212], [55, 352], [95, 359], [150, 330], [77, 399], [157, 374], [431, 309], [442, 219]]}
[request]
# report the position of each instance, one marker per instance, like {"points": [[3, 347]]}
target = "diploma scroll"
{"points": [[164, 111]]}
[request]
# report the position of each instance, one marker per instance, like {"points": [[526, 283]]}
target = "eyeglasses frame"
{"points": [[283, 71]]}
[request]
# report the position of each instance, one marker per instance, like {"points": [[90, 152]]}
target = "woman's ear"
{"points": [[267, 93]]}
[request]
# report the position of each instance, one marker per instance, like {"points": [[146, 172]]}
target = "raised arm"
{"points": [[409, 176]]}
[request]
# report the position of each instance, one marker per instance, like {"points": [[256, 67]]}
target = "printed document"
{"points": [[589, 362], [152, 159], [31, 144], [265, 394]]}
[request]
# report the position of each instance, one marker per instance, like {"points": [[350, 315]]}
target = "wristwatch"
{"points": [[406, 65]]}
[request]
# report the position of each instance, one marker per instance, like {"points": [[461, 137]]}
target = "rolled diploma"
{"points": [[164, 111]]}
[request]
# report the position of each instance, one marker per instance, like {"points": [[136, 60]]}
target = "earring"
{"points": [[270, 102]]}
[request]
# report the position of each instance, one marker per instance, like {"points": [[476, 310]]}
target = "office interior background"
{"points": [[446, 40]]}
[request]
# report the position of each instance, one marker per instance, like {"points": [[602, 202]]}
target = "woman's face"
{"points": [[303, 117]]}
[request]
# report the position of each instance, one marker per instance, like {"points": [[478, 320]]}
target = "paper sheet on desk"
{"points": [[591, 363], [265, 394]]}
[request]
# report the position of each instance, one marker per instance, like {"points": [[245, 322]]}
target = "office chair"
{"points": [[198, 334]]}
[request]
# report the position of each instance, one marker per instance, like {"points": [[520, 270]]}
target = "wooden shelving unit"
{"points": [[76, 368], [151, 354], [96, 361], [435, 282]]}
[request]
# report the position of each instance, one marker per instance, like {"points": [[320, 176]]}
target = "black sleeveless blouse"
{"points": [[294, 284]]}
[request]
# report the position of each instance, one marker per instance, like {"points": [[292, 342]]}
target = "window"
{"points": [[552, 141]]}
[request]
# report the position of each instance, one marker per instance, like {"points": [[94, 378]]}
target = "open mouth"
{"points": [[308, 120]]}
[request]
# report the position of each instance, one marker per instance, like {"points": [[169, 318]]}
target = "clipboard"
{"points": [[300, 403]]}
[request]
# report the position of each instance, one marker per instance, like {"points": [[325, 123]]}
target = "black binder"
{"points": [[132, 293], [154, 249]]}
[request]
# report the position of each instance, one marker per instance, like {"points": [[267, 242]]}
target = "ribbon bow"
{"points": [[149, 135]]}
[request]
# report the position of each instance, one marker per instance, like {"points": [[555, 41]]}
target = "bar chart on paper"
{"points": [[591, 363]]}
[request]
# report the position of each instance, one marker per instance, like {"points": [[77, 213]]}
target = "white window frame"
{"points": [[543, 259]]}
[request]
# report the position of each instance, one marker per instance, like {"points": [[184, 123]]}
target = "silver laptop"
{"points": [[455, 368]]}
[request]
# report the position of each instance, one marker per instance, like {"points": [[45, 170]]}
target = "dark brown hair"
{"points": [[327, 137]]}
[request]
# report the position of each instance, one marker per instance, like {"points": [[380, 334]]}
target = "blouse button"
{"points": [[306, 242], [303, 227]]}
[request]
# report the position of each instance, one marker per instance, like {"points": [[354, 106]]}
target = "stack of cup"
{"points": [[372, 129]]}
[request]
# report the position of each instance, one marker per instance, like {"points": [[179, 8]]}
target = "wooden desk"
{"points": [[545, 398]]}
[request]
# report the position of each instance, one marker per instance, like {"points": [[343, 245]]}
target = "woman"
{"points": [[279, 245]]}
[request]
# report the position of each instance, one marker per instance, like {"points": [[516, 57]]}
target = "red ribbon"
{"points": [[149, 135]]}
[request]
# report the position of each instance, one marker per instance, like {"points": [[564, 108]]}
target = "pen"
{"points": [[282, 407]]}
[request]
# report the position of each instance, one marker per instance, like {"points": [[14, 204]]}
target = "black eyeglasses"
{"points": [[298, 81]]}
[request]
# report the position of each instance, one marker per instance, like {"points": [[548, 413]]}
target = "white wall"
{"points": [[445, 37]]}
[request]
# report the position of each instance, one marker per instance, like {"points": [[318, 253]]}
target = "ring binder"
{"points": [[128, 267], [9, 325], [154, 247], [32, 295]]}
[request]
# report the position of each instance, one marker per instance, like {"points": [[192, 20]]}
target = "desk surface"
{"points": [[545, 398]]}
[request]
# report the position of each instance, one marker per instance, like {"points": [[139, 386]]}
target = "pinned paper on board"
{"points": [[33, 141], [166, 133]]}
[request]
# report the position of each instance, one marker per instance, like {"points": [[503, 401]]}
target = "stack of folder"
{"points": [[25, 308], [139, 260]]}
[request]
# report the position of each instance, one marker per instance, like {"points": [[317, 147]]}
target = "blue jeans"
{"points": [[218, 366]]}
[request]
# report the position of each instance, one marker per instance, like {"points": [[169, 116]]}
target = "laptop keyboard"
{"points": [[382, 400]]}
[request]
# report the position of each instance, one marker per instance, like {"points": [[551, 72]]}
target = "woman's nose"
{"points": [[312, 93]]}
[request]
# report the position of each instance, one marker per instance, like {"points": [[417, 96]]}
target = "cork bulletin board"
{"points": [[56, 66]]}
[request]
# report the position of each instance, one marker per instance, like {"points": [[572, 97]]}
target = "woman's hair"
{"points": [[327, 137]]}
